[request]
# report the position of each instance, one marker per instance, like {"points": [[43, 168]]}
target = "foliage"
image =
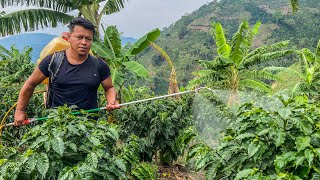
{"points": [[278, 24], [309, 74], [15, 66], [67, 147], [263, 144], [145, 171], [50, 12], [162, 125], [230, 69], [120, 59]]}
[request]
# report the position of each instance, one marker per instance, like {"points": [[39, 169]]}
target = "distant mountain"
{"points": [[125, 40], [35, 40], [38, 41]]}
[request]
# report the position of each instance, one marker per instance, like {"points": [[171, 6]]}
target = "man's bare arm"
{"points": [[111, 94], [25, 94]]}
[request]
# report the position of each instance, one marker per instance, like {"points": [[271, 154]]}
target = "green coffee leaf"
{"points": [[281, 161], [244, 173], [302, 142], [42, 164], [58, 145]]}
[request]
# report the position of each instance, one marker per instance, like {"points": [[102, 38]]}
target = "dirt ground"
{"points": [[179, 172]]}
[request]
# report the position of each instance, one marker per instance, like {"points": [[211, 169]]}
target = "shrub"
{"points": [[280, 144]]}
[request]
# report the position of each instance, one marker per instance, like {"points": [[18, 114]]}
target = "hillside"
{"points": [[189, 39]]}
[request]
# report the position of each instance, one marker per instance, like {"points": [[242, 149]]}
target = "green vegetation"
{"points": [[231, 68], [266, 144], [48, 13], [189, 40], [273, 136]]}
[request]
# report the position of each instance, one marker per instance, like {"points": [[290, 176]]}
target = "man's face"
{"points": [[81, 40]]}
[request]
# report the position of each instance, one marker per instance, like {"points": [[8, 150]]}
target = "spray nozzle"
{"points": [[200, 88]]}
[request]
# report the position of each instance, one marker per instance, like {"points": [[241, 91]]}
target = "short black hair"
{"points": [[81, 22]]}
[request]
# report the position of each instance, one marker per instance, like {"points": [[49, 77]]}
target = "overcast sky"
{"points": [[141, 16]]}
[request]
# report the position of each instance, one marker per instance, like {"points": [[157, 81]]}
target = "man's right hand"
{"points": [[19, 117]]}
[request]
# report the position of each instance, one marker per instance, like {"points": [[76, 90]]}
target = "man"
{"points": [[78, 78]]}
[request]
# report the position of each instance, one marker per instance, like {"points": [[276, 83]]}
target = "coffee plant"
{"points": [[67, 147], [266, 144], [162, 125]]}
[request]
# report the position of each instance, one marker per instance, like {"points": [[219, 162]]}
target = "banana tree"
{"points": [[231, 68], [308, 76], [47, 13], [120, 59]]}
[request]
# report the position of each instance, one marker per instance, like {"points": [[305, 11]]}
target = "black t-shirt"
{"points": [[76, 84]]}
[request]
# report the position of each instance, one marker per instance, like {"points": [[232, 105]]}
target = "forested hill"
{"points": [[188, 39]]}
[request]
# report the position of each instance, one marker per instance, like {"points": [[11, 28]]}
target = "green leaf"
{"points": [[285, 112], [58, 145], [245, 135], [309, 155], [244, 173], [223, 48], [30, 20], [299, 160], [92, 160], [42, 164], [303, 125], [302, 143], [65, 173], [94, 140], [253, 149], [137, 68], [143, 42], [102, 50], [264, 132], [280, 137], [72, 146], [281, 161]]}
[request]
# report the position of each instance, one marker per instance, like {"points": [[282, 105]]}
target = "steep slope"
{"points": [[189, 39]]}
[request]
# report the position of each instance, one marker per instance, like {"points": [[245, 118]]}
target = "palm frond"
{"points": [[112, 35], [239, 43], [268, 48], [259, 58], [57, 5], [253, 32], [112, 6], [218, 35], [258, 75], [205, 78], [5, 52], [310, 57], [298, 88], [206, 64], [255, 84], [284, 69], [30, 20]]}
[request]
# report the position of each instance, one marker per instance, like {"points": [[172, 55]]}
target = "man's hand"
{"points": [[112, 105], [19, 117]]}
